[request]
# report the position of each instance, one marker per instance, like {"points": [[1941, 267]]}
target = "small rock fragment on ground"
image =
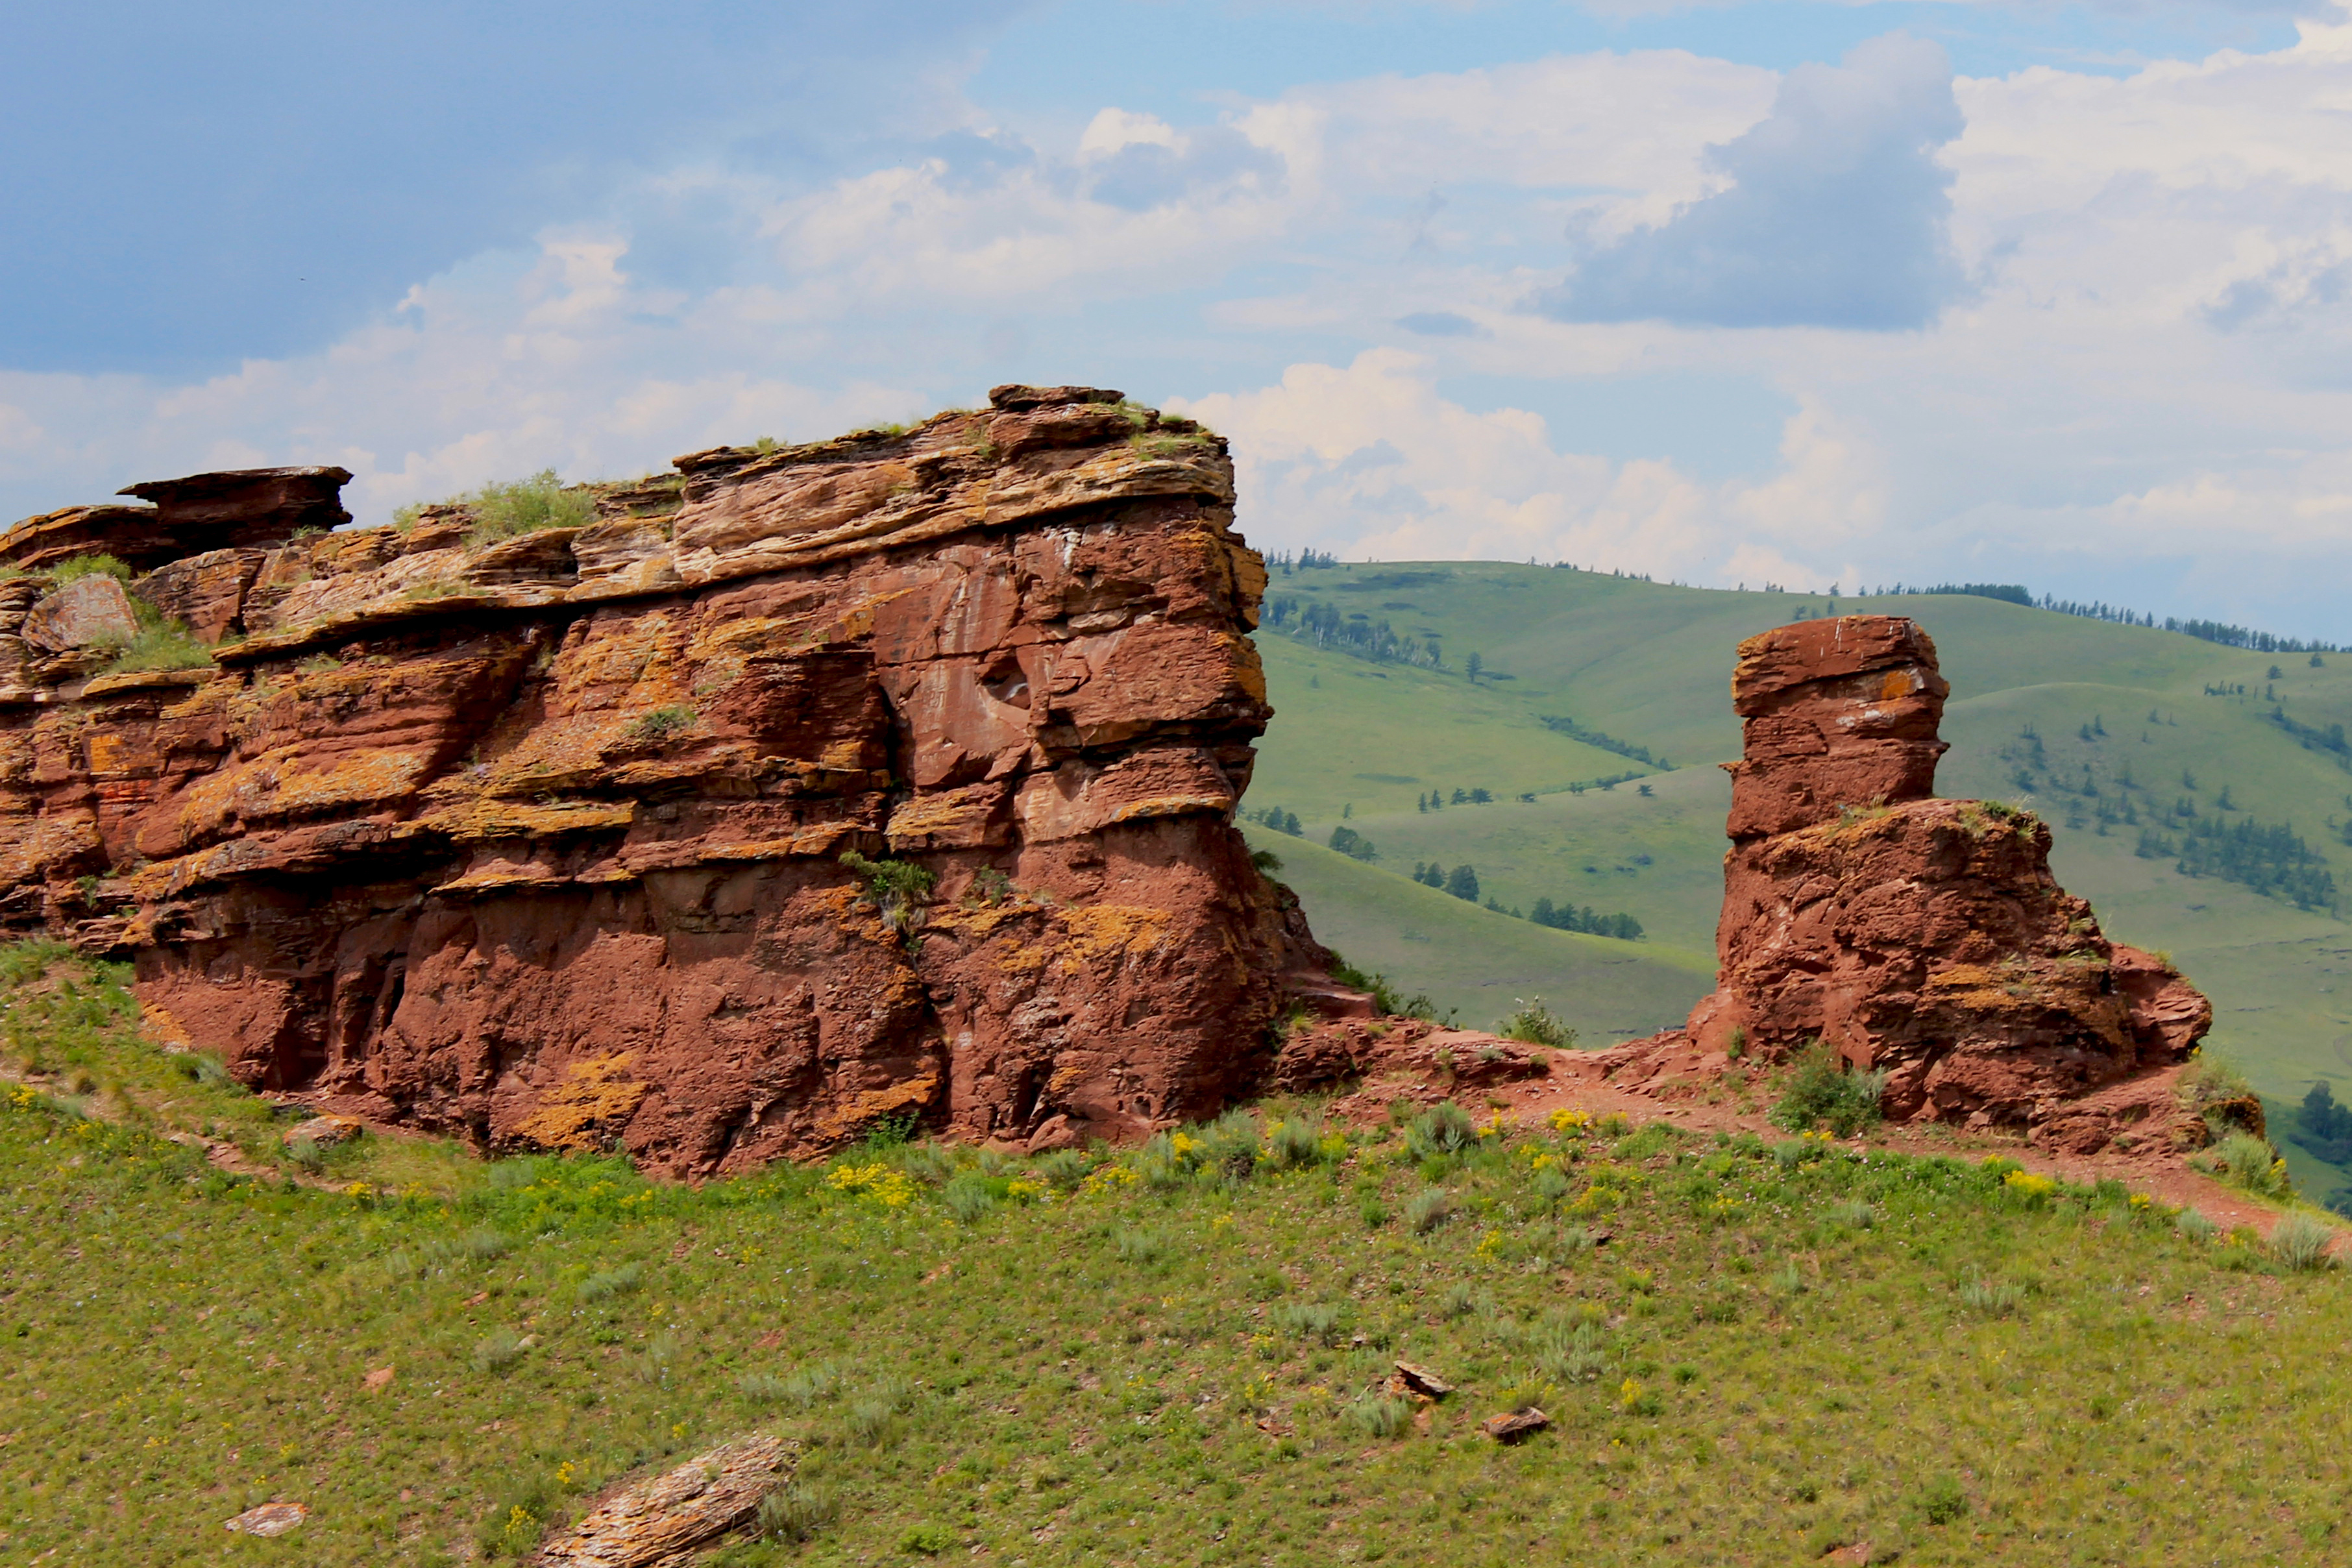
{"points": [[269, 1518], [1513, 1424], [1411, 1379]]}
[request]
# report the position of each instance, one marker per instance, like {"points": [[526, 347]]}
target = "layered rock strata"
{"points": [[1922, 938], [540, 840]]}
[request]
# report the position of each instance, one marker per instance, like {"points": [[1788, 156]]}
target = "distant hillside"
{"points": [[2202, 803]]}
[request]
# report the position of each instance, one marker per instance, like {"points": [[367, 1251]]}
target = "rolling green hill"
{"points": [[2132, 743]]}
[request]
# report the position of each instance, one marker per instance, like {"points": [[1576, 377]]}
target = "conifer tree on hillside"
{"points": [[1463, 882]]}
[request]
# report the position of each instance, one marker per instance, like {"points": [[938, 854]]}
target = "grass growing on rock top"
{"points": [[1751, 1352]]}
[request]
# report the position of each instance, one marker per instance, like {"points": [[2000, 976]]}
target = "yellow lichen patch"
{"points": [[757, 635], [513, 819], [588, 1104], [31, 845], [164, 1029], [111, 751], [352, 779], [1982, 990], [1102, 931], [17, 756], [862, 1111], [622, 657], [1171, 806], [1896, 684]]}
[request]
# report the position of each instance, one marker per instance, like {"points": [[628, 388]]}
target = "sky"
{"points": [[1724, 293]]}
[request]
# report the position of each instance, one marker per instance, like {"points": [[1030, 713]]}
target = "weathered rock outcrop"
{"points": [[1922, 938], [539, 840]]}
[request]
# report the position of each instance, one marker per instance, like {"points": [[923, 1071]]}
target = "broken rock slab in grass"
{"points": [[269, 1518], [1409, 1379], [1513, 1424], [654, 1523]]}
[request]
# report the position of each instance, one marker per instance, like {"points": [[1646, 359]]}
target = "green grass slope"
{"points": [[1478, 964], [1650, 664], [1174, 1356]]}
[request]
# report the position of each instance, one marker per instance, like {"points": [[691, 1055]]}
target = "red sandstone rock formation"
{"points": [[1922, 938], [539, 840]]}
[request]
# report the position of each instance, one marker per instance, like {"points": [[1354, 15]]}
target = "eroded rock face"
{"points": [[1924, 938], [539, 840]]}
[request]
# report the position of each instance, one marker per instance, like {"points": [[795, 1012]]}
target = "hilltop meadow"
{"points": [[1748, 1350]]}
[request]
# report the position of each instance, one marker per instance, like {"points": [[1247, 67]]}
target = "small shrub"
{"points": [[166, 646], [1316, 1323], [1552, 1183], [762, 1387], [1380, 1415], [811, 1384], [1064, 1168], [896, 890], [1534, 1023], [1444, 1128], [2300, 1243], [2245, 1161], [526, 506], [927, 1539], [1859, 1213], [1574, 1353], [305, 1156], [81, 566], [1429, 1209], [1142, 1248], [1823, 1093], [868, 1422], [1373, 1212], [1230, 1144], [497, 1350], [1994, 1298], [2193, 1225], [606, 1284], [1942, 1501], [484, 1243], [661, 724], [1295, 1141], [970, 1197], [927, 1164], [795, 1514]]}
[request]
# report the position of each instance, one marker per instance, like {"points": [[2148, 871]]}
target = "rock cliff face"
{"points": [[540, 840], [1922, 938]]}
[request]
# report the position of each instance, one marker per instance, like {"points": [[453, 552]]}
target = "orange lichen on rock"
{"points": [[449, 831]]}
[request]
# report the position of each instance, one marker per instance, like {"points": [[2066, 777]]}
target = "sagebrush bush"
{"points": [[2300, 1242], [2245, 1161], [1295, 1141], [1444, 1128], [971, 1198], [607, 1283], [1429, 1209], [502, 510], [795, 1514], [1142, 1248], [1994, 1298], [1823, 1093], [1532, 1022], [497, 1350], [1064, 1168], [1317, 1322], [1380, 1415]]}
